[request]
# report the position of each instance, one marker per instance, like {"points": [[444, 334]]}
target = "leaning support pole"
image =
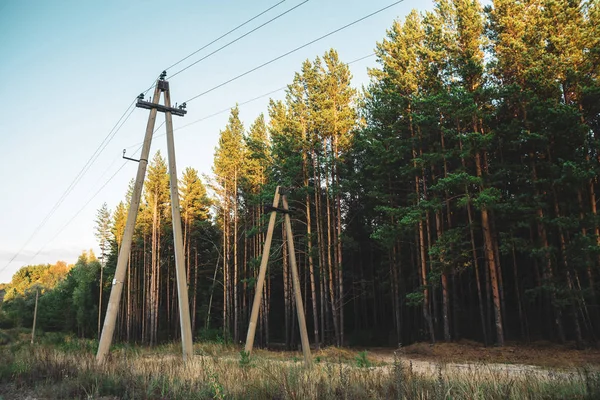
{"points": [[37, 295], [112, 309], [261, 276], [296, 284], [182, 290]]}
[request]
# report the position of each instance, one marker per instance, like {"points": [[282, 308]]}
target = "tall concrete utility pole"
{"points": [[296, 284], [295, 279], [260, 283], [162, 86]]}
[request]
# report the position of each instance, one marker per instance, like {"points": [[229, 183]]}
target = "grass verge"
{"points": [[59, 371]]}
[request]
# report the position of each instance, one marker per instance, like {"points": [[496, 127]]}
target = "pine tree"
{"points": [[194, 207], [157, 202], [103, 234], [228, 166]]}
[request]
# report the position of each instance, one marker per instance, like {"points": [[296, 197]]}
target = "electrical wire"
{"points": [[111, 134], [119, 125], [89, 200], [228, 109], [219, 38], [238, 38], [224, 35], [293, 51]]}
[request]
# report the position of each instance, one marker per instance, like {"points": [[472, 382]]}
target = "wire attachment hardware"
{"points": [[132, 159]]}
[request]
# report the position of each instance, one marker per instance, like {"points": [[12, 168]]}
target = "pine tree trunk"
{"points": [[320, 244], [286, 292], [548, 275], [330, 267], [157, 284], [445, 301], [225, 259], [491, 260], [568, 272], [396, 293], [234, 286], [522, 315], [154, 270], [422, 245], [474, 255], [195, 295], [313, 290], [339, 263]]}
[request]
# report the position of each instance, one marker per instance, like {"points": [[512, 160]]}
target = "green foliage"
{"points": [[362, 361], [245, 360], [103, 230]]}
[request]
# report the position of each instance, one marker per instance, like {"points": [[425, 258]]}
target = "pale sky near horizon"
{"points": [[70, 69]]}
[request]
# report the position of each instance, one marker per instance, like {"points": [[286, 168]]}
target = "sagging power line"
{"points": [[262, 96], [118, 125], [111, 134], [228, 44], [293, 51]]}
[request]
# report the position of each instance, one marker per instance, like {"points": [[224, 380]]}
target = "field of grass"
{"points": [[61, 367]]}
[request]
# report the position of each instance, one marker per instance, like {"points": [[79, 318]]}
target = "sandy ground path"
{"points": [[476, 369]]}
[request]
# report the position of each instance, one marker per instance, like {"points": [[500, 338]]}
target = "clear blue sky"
{"points": [[70, 68]]}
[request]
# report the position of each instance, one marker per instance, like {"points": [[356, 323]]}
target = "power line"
{"points": [[111, 134], [246, 102], [238, 38], [117, 127], [88, 202], [221, 37], [293, 51], [258, 98], [155, 136], [225, 34]]}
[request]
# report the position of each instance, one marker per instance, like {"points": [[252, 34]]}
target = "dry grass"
{"points": [[50, 371]]}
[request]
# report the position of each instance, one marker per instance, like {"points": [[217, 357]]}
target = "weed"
{"points": [[362, 361], [399, 376], [218, 391], [244, 359]]}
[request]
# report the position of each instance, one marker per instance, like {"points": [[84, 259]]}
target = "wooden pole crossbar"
{"points": [[295, 279], [110, 318]]}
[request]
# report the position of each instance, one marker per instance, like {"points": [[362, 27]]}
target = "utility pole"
{"points": [[295, 279], [162, 87], [260, 283], [296, 284], [37, 294], [182, 291]]}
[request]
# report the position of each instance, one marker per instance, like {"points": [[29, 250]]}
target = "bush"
{"points": [[5, 338], [5, 321]]}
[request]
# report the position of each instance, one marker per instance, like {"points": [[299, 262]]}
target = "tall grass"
{"points": [[57, 372]]}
